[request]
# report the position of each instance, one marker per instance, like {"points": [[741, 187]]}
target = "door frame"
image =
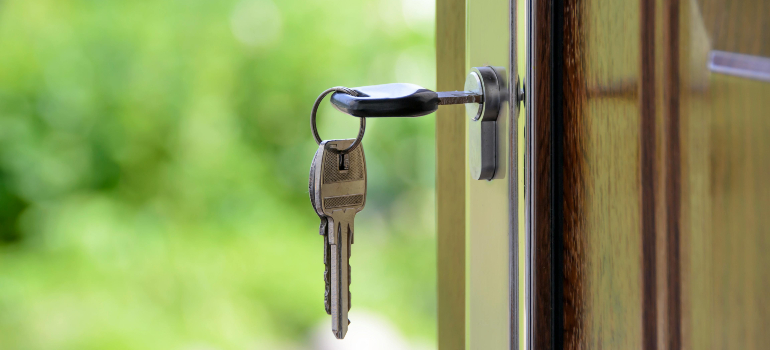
{"points": [[477, 221]]}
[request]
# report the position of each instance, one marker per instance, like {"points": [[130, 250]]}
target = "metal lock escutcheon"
{"points": [[482, 119]]}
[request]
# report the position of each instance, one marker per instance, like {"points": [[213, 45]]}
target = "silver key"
{"points": [[340, 190]]}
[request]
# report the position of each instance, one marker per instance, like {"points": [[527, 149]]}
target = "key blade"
{"points": [[458, 97], [341, 223], [327, 267]]}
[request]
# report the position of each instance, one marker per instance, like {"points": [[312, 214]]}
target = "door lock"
{"points": [[482, 120], [484, 94]]}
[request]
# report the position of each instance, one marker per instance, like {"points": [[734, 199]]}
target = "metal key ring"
{"points": [[317, 103]]}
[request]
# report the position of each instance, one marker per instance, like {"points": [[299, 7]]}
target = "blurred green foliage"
{"points": [[154, 157]]}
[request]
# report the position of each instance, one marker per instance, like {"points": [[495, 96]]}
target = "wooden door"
{"points": [[648, 208]]}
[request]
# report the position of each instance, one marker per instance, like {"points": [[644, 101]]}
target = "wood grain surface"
{"points": [[588, 185], [671, 190], [543, 284], [650, 176], [725, 199]]}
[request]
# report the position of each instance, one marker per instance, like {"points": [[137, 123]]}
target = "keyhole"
{"points": [[344, 162]]}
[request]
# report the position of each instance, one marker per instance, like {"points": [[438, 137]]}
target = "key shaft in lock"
{"points": [[485, 94], [486, 91], [459, 97], [399, 100]]}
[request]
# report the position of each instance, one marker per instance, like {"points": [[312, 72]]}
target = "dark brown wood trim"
{"points": [[648, 172], [673, 173], [557, 169], [575, 94], [542, 215]]}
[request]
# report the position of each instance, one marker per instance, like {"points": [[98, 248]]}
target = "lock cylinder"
{"points": [[482, 119]]}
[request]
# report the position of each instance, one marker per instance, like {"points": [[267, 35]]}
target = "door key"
{"points": [[485, 94], [338, 175], [338, 194]]}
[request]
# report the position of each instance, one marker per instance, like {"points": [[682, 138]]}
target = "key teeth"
{"points": [[327, 273], [322, 229]]}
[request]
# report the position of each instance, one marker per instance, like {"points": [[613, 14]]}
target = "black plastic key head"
{"points": [[387, 100]]}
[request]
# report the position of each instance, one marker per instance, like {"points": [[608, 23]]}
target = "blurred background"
{"points": [[154, 159]]}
